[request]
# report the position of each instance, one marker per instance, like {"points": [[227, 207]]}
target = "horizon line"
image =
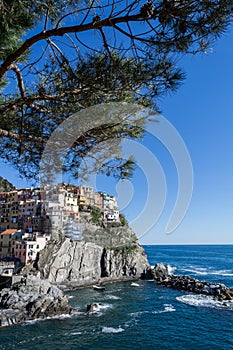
{"points": [[176, 244]]}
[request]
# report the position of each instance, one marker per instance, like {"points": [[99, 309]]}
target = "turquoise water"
{"points": [[145, 316]]}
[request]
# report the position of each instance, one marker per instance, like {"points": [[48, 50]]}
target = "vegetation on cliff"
{"points": [[5, 185]]}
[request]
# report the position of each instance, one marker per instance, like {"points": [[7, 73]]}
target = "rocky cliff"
{"points": [[5, 185], [104, 254], [30, 299]]}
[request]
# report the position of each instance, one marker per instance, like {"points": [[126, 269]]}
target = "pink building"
{"points": [[99, 202], [19, 250]]}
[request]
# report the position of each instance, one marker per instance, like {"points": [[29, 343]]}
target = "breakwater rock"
{"points": [[30, 299], [162, 277]]}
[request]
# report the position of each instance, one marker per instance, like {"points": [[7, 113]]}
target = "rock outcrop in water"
{"points": [[103, 255], [162, 277], [31, 299]]}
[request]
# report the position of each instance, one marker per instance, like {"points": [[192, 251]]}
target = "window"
{"points": [[30, 246], [37, 247]]}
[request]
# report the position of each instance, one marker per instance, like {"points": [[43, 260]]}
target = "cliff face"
{"points": [[104, 254], [5, 186], [29, 299]]}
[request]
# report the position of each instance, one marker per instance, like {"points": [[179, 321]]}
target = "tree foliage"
{"points": [[96, 215], [60, 57]]}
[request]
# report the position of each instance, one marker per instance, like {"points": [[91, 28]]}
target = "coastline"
{"points": [[103, 281], [149, 316], [165, 279]]}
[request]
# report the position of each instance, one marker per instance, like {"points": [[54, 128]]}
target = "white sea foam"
{"points": [[171, 269], [112, 297], [205, 271], [138, 313], [204, 301], [222, 273], [135, 316], [167, 308], [31, 339], [99, 307], [112, 330], [56, 317], [117, 290], [133, 284], [198, 271]]}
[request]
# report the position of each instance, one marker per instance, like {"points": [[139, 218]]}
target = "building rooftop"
{"points": [[9, 232]]}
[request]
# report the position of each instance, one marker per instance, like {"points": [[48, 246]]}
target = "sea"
{"points": [[142, 315]]}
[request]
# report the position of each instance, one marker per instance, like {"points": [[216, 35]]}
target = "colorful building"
{"points": [[33, 247], [19, 250], [6, 240]]}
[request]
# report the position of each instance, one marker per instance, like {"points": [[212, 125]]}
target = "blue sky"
{"points": [[201, 111]]}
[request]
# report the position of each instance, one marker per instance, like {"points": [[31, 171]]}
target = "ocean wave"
{"points": [[222, 273], [167, 308], [197, 271], [112, 330], [99, 308], [204, 301], [25, 341], [135, 317], [112, 297], [205, 271], [133, 284], [171, 269], [56, 317], [138, 313]]}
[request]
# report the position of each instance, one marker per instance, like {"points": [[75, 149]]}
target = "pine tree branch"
{"points": [[105, 42], [19, 78], [107, 22], [21, 137], [28, 101]]}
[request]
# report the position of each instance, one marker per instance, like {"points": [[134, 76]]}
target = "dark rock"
{"points": [[91, 307], [160, 271], [148, 274], [219, 291], [31, 300]]}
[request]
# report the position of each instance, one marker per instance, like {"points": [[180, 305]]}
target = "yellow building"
{"points": [[8, 210]]}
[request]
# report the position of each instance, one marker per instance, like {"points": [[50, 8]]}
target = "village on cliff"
{"points": [[27, 217]]}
